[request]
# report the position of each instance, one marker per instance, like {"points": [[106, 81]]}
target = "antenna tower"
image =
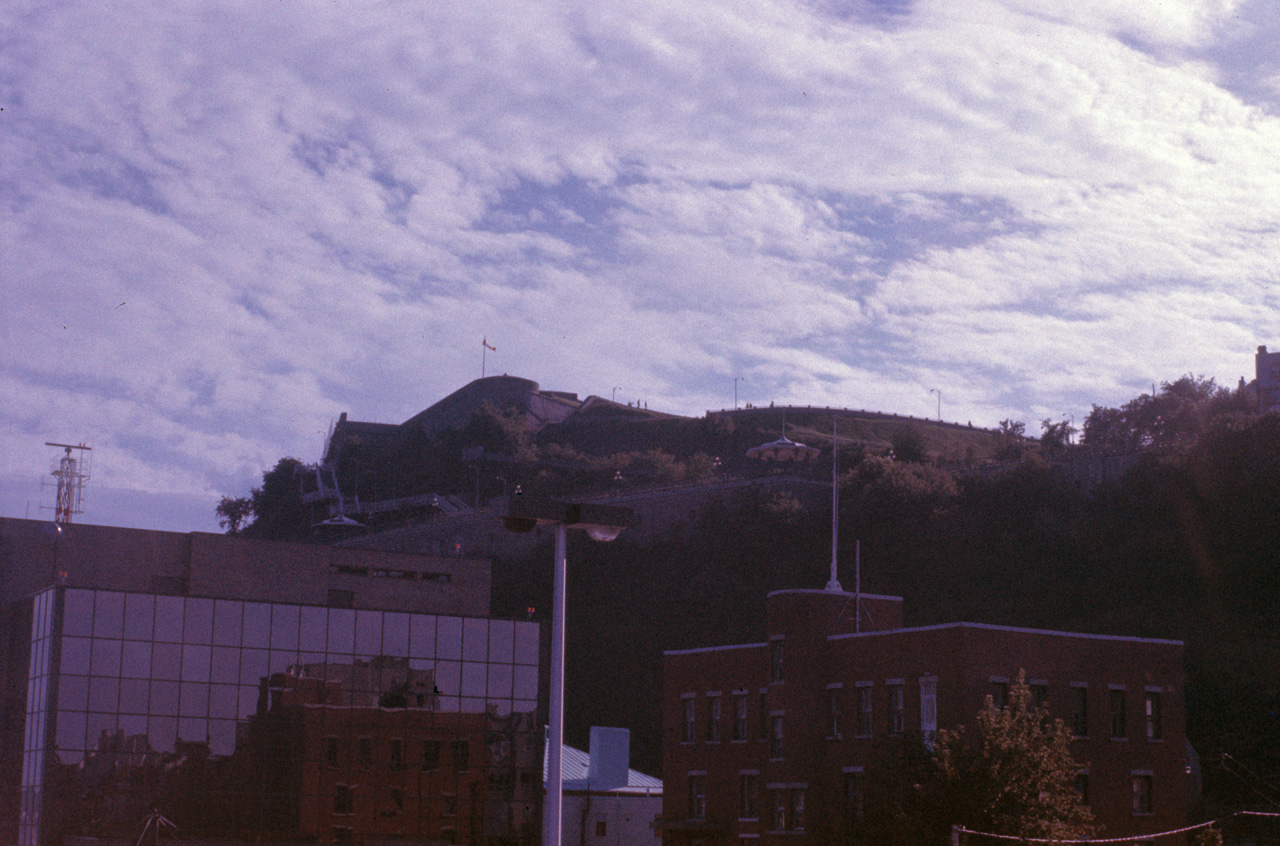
{"points": [[71, 472]]}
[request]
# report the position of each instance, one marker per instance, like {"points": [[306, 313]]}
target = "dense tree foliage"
{"points": [[279, 512], [1012, 775], [1177, 415], [1011, 443], [1016, 777], [1055, 436], [1182, 545], [233, 512]]}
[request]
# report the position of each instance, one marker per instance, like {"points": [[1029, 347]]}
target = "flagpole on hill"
{"points": [[484, 351]]}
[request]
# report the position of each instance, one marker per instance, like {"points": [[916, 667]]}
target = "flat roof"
{"points": [[1019, 629], [844, 593], [714, 648], [938, 627]]}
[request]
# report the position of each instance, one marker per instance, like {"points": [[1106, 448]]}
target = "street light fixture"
{"points": [[601, 523]]}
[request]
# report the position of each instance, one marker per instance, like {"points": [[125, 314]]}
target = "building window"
{"points": [[331, 756], [342, 834], [344, 799], [713, 719], [750, 796], [775, 738], [1119, 729], [896, 709], [855, 795], [775, 660], [764, 715], [739, 716], [1080, 711], [688, 720], [929, 711], [864, 712], [430, 754], [1082, 787], [461, 750], [788, 809], [397, 754], [449, 804], [365, 747], [602, 828], [698, 797], [1154, 731], [999, 693], [1142, 794], [780, 810], [1039, 695], [397, 801], [834, 694]]}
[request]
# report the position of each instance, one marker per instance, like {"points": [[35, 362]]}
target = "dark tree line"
{"points": [[1185, 545]]}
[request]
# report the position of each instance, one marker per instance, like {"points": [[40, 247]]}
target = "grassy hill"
{"points": [[1184, 546]]}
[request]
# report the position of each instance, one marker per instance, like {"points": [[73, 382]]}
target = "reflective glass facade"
{"points": [[34, 734], [252, 720]]}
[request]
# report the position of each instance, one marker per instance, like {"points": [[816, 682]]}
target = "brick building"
{"points": [[259, 692], [776, 742]]}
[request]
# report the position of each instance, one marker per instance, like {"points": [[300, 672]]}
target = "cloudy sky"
{"points": [[224, 223]]}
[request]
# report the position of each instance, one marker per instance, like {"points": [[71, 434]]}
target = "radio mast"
{"points": [[71, 472]]}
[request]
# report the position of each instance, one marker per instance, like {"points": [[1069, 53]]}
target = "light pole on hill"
{"points": [[601, 523]]}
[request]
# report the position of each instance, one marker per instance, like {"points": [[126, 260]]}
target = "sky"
{"points": [[222, 224]]}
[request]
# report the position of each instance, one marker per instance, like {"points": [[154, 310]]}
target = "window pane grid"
{"points": [[165, 680]]}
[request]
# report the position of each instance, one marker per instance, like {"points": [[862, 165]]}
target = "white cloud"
{"points": [[249, 218]]}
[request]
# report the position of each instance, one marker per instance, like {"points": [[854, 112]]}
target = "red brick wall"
{"points": [[962, 657]]}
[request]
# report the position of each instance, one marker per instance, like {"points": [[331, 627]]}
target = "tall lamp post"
{"points": [[601, 523]]}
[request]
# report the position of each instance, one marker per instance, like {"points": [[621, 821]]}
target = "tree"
{"points": [[1010, 440], [908, 445], [233, 511], [1177, 416], [279, 513], [1017, 777], [1057, 436]]}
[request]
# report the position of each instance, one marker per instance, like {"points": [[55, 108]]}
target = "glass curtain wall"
{"points": [[259, 720], [34, 734]]}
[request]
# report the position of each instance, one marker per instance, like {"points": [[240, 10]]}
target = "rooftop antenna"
{"points": [[71, 472]]}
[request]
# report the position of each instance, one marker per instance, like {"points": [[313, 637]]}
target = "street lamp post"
{"points": [[601, 523]]}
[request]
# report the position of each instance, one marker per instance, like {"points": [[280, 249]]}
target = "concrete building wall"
{"points": [[34, 555], [1267, 374], [628, 819]]}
